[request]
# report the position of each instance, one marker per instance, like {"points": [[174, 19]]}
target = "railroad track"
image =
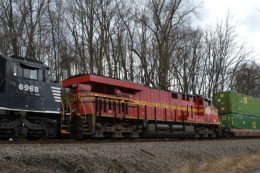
{"points": [[92, 141], [115, 141]]}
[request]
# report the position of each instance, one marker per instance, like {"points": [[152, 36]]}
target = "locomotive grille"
{"points": [[56, 93]]}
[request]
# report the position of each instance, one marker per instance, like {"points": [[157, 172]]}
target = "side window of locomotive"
{"points": [[19, 71], [40, 75], [174, 95], [183, 96], [46, 75], [207, 103]]}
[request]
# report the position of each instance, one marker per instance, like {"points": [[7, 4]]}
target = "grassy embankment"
{"points": [[241, 164]]}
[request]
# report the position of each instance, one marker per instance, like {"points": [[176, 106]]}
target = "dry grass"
{"points": [[230, 165], [10, 167]]}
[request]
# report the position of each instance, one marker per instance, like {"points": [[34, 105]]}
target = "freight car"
{"points": [[29, 102], [239, 114], [105, 107]]}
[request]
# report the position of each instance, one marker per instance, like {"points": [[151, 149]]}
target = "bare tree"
{"points": [[247, 79], [168, 17], [222, 55], [152, 43], [187, 64], [33, 25], [12, 25]]}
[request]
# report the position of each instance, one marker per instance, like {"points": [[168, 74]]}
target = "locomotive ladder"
{"points": [[86, 127], [65, 120]]}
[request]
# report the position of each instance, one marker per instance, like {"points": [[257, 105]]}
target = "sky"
{"points": [[246, 18]]}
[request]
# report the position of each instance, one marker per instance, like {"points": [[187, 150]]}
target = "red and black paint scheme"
{"points": [[106, 107], [29, 102]]}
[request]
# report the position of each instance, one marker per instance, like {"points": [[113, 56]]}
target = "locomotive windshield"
{"points": [[30, 74], [26, 72]]}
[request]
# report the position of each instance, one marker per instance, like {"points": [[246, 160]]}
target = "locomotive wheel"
{"points": [[77, 127]]}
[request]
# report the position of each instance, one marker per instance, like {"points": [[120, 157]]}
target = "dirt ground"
{"points": [[152, 157]]}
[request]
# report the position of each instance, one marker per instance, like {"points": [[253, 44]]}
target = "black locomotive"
{"points": [[29, 102]]}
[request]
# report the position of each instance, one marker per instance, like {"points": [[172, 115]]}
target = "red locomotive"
{"points": [[106, 107]]}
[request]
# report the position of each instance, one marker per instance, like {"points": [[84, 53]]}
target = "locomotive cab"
{"points": [[29, 102]]}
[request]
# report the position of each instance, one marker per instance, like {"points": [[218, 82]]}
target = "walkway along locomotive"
{"points": [[29, 102]]}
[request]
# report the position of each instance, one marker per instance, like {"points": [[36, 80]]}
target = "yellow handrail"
{"points": [[84, 110], [63, 111], [69, 107], [92, 113]]}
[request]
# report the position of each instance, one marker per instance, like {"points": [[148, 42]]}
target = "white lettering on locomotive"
{"points": [[30, 88]]}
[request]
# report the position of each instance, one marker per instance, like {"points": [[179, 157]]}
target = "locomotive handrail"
{"points": [[84, 110], [69, 107], [92, 113], [63, 110]]}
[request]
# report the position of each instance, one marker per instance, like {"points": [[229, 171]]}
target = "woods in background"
{"points": [[153, 42], [247, 79]]}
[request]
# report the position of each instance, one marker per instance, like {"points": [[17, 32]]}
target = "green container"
{"points": [[231, 102], [240, 121], [237, 110]]}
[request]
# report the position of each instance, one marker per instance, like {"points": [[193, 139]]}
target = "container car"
{"points": [[239, 114]]}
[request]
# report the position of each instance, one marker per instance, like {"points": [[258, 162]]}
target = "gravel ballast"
{"points": [[121, 156]]}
